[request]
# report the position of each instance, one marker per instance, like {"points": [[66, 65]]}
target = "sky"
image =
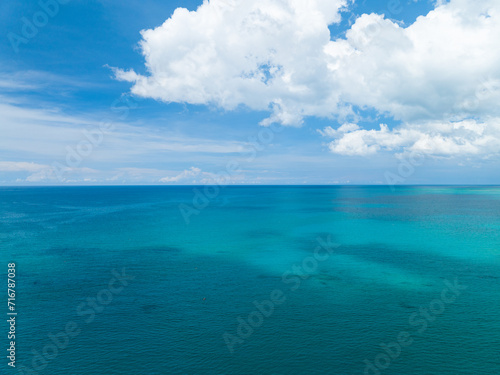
{"points": [[103, 92]]}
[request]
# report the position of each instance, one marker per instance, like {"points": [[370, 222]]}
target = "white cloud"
{"points": [[42, 172], [187, 174], [37, 172], [16, 82], [464, 138], [263, 54], [20, 166], [345, 128], [45, 134], [195, 175], [277, 55], [443, 66]]}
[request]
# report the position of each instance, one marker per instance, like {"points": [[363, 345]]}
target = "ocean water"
{"points": [[259, 280]]}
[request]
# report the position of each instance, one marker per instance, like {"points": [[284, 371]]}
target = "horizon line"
{"points": [[260, 185]]}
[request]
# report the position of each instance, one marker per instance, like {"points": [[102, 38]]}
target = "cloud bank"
{"points": [[439, 76], [465, 138], [190, 174]]}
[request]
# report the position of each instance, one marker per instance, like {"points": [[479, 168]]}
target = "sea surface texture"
{"points": [[253, 280]]}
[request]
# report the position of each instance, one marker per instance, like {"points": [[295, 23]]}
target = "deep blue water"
{"points": [[385, 274]]}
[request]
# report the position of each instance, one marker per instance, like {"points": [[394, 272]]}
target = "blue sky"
{"points": [[338, 92]]}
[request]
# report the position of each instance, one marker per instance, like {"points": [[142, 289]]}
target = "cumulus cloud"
{"points": [[264, 54], [277, 55], [187, 174], [466, 138], [37, 172], [445, 65]]}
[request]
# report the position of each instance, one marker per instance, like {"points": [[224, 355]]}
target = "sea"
{"points": [[279, 280]]}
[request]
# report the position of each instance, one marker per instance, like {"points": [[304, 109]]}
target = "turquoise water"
{"points": [[188, 286]]}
